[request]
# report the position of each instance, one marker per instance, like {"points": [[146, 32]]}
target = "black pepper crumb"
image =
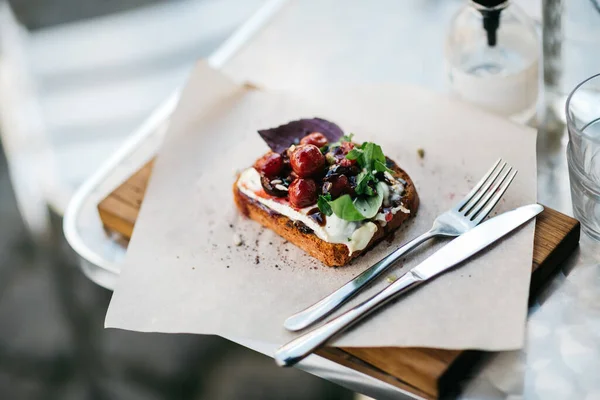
{"points": [[287, 249], [228, 266], [231, 225], [257, 260], [271, 243], [276, 266], [229, 247]]}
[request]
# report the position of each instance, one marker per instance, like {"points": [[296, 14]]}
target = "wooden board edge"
{"points": [[557, 256], [115, 223], [345, 359]]}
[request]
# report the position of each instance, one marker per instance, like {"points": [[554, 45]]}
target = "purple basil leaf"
{"points": [[284, 136]]}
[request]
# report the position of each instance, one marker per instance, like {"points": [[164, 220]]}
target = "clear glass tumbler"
{"points": [[583, 153]]}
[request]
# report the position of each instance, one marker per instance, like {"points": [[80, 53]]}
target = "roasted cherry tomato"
{"points": [[337, 186], [344, 162], [307, 160], [302, 193], [316, 138], [269, 165]]}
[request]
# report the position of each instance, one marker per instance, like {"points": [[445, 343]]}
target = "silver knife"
{"points": [[448, 256]]}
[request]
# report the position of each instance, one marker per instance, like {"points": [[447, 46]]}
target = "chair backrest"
{"points": [[21, 129]]}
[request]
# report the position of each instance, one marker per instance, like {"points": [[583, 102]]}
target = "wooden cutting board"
{"points": [[429, 373]]}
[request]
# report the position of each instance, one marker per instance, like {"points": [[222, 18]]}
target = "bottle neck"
{"points": [[489, 5], [490, 11]]}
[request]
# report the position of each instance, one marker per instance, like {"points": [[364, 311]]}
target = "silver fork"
{"points": [[465, 215]]}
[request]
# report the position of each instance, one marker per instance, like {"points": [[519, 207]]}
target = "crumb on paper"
{"points": [[391, 278], [237, 239], [421, 152], [257, 260]]}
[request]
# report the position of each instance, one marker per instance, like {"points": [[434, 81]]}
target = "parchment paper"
{"points": [[184, 273]]}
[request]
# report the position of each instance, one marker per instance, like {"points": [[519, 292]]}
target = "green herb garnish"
{"points": [[371, 159], [369, 156], [369, 190], [323, 204], [363, 180], [362, 207]]}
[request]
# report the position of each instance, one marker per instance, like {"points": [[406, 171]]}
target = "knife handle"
{"points": [[296, 350], [331, 302]]}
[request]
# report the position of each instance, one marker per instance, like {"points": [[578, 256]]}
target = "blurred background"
{"points": [[76, 78]]}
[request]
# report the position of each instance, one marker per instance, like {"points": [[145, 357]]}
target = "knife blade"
{"points": [[448, 256]]}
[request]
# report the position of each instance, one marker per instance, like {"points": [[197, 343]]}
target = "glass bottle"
{"points": [[492, 55]]}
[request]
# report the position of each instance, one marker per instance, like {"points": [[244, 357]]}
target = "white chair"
{"points": [[70, 94]]}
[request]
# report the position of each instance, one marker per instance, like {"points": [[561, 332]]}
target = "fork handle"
{"points": [[296, 350], [330, 303]]}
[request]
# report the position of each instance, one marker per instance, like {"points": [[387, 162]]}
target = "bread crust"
{"points": [[331, 254]]}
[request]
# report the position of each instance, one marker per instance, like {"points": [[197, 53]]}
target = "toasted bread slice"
{"points": [[331, 254]]}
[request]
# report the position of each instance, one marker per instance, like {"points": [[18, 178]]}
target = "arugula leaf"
{"points": [[368, 153], [373, 155], [362, 183], [344, 208], [369, 206], [354, 154], [363, 207], [380, 167], [378, 154], [323, 204]]}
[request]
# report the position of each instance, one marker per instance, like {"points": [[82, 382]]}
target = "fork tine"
{"points": [[476, 207], [468, 208], [481, 182], [492, 203]]}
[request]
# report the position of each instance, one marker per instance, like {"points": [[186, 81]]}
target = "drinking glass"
{"points": [[583, 153]]}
